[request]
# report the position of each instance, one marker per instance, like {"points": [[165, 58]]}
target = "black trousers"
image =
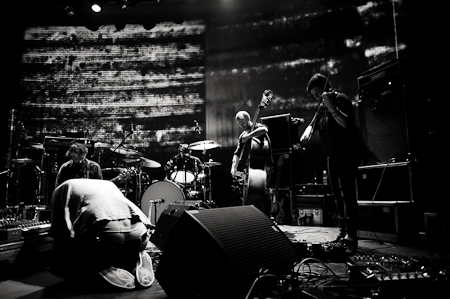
{"points": [[342, 177]]}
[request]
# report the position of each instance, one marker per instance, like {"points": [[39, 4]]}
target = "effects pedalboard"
{"points": [[389, 269]]}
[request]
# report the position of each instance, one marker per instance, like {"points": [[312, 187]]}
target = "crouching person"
{"points": [[97, 230]]}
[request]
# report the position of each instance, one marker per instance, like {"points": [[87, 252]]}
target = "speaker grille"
{"points": [[384, 126], [233, 245]]}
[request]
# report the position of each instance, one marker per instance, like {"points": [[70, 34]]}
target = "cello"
{"points": [[254, 157]]}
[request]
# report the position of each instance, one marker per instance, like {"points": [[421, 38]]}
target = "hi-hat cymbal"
{"points": [[203, 145], [25, 160], [210, 164]]}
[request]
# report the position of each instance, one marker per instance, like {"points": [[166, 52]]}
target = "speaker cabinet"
{"points": [[282, 132], [388, 222], [382, 114], [166, 221], [219, 253]]}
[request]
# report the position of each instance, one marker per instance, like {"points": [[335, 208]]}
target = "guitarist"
{"points": [[335, 123], [261, 161]]}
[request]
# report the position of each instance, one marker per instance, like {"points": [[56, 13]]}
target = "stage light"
{"points": [[97, 5], [125, 4]]}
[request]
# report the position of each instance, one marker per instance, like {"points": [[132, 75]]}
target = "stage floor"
{"points": [[43, 284]]}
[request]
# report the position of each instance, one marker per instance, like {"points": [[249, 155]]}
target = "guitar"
{"points": [[277, 204]]}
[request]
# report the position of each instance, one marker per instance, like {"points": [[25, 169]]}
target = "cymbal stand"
{"points": [[138, 186], [208, 175], [8, 162]]}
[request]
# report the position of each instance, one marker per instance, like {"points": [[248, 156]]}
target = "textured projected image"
{"points": [[133, 87]]}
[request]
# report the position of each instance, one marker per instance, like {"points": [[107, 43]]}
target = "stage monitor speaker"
{"points": [[166, 221], [382, 114], [220, 253]]}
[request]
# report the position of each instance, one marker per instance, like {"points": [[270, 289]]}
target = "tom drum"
{"points": [[158, 196]]}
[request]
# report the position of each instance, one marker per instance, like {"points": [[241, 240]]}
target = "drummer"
{"points": [[183, 162], [78, 166]]}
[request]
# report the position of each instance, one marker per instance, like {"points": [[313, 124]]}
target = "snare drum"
{"points": [[166, 191]]}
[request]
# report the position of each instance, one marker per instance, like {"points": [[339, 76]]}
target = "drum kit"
{"points": [[188, 181]]}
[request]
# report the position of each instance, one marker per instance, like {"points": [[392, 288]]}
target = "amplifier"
{"points": [[386, 221], [379, 79], [283, 134]]}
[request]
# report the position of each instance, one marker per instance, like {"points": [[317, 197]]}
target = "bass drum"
{"points": [[166, 191]]}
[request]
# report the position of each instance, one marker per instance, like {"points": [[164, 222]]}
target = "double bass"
{"points": [[253, 160]]}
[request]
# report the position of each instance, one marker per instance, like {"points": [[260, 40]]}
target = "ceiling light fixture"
{"points": [[97, 5]]}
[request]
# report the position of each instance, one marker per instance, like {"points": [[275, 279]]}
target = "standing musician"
{"points": [[335, 121], [262, 161], [78, 166]]}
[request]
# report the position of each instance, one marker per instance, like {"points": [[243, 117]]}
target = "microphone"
{"points": [[301, 120], [156, 201], [197, 128]]}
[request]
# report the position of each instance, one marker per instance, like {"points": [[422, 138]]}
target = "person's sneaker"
{"points": [[119, 277], [144, 270]]}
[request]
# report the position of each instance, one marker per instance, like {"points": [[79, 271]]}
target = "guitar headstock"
{"points": [[266, 98]]}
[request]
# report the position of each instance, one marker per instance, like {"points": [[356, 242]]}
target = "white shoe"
{"points": [[144, 270], [119, 277]]}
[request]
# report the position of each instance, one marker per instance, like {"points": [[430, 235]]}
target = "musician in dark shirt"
{"points": [[260, 164], [78, 166], [335, 122]]}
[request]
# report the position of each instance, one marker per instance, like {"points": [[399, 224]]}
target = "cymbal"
{"points": [[149, 163], [210, 164], [114, 169], [143, 162], [25, 160], [127, 152], [101, 145], [130, 160], [203, 145], [38, 146]]}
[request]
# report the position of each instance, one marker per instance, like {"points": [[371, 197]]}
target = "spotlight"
{"points": [[125, 4], [97, 5]]}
